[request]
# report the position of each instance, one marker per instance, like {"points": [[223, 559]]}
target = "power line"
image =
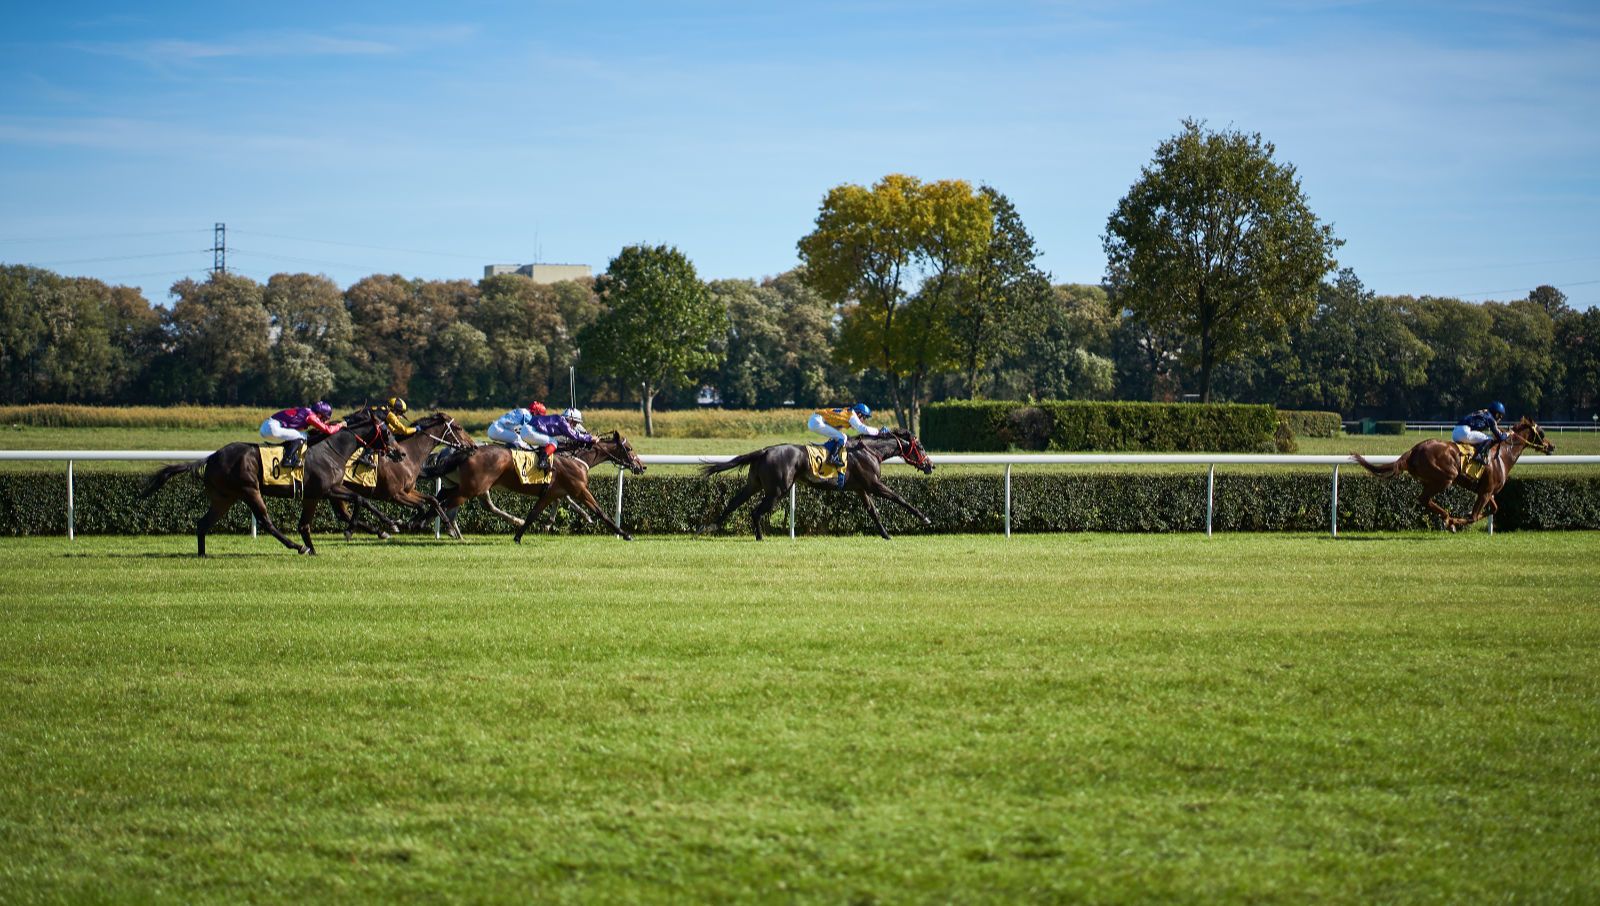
{"points": [[1479, 267], [358, 245], [102, 236], [1523, 289], [294, 258], [115, 258]]}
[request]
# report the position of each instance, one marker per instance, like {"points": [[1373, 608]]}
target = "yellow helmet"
{"points": [[397, 405]]}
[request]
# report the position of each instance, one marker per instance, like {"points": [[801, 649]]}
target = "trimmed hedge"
{"points": [[983, 425], [1307, 423], [33, 503], [1389, 428]]}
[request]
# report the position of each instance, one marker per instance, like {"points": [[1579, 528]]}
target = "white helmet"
{"points": [[573, 415]]}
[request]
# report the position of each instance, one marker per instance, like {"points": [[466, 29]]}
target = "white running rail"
{"points": [[1009, 460]]}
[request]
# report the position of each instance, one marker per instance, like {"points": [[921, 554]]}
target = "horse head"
{"points": [[1533, 436], [909, 449], [617, 450]]}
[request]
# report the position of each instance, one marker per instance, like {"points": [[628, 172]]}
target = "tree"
{"points": [[311, 332], [658, 325], [1216, 242], [1578, 342], [996, 294], [1552, 300], [221, 336], [393, 327], [890, 256], [520, 319], [1355, 353]]}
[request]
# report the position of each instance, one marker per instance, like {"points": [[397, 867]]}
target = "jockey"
{"points": [[288, 427], [1481, 429], [568, 424], [830, 422], [394, 416], [515, 429]]}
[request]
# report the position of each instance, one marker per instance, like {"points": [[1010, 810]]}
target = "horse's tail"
{"points": [[160, 478], [444, 465], [743, 459], [1388, 471]]}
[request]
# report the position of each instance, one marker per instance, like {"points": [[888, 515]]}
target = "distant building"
{"points": [[542, 273]]}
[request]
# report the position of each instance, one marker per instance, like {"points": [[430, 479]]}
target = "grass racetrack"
{"points": [[1280, 718]]}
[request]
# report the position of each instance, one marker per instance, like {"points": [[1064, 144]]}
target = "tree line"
{"points": [[1221, 283]]}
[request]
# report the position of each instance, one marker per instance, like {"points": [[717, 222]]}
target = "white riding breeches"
{"points": [[271, 430], [523, 436], [818, 426], [1464, 435]]}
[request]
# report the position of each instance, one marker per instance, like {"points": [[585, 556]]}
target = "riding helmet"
{"points": [[322, 409], [573, 415], [1498, 408], [537, 408], [397, 405], [862, 410]]}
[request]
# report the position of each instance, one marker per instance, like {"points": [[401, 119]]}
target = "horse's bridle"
{"points": [[615, 459], [900, 450], [450, 428], [1543, 446]]}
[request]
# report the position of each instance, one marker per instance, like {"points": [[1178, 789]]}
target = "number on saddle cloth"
{"points": [[821, 468]]}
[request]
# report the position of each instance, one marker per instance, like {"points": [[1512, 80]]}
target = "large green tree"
{"points": [[221, 336], [658, 326], [1217, 242], [1000, 299], [311, 332], [892, 257]]}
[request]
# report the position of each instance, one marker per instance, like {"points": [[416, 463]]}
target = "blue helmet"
{"points": [[1498, 408], [862, 410]]}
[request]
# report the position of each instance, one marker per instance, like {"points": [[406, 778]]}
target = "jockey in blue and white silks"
{"points": [[830, 422], [534, 428], [1481, 429]]}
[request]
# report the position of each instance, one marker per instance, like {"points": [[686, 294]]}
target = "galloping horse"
{"points": [[233, 473], [1437, 464], [492, 466], [395, 480], [773, 470]]}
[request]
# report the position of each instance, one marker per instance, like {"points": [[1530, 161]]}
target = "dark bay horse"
{"points": [[1437, 465], [773, 470], [492, 466], [397, 479], [233, 473]]}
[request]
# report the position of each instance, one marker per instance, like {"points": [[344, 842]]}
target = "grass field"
{"points": [[1274, 718]]}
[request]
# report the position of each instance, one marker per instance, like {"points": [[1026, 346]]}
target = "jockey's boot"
{"points": [[291, 455], [544, 456], [835, 452], [1481, 454]]}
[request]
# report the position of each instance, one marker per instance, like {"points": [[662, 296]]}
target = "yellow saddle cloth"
{"points": [[821, 469], [528, 467], [1468, 467], [356, 473]]}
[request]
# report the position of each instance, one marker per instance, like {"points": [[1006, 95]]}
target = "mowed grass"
{"points": [[1272, 718]]}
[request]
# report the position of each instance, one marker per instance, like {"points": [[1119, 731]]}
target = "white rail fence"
{"points": [[1009, 461]]}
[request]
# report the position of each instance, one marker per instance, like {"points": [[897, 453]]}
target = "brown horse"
{"points": [[396, 480], [492, 466], [1437, 465], [775, 469], [233, 473]]}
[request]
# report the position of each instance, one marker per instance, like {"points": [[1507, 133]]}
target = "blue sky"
{"points": [[1454, 146]]}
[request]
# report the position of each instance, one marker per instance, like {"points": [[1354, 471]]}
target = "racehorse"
{"points": [[492, 466], [395, 480], [773, 470], [233, 473], [1437, 464]]}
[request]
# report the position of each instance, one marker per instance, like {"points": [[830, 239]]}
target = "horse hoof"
{"points": [[302, 549], [627, 537], [347, 536], [383, 536]]}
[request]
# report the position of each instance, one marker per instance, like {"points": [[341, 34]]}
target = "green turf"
{"points": [[1268, 718]]}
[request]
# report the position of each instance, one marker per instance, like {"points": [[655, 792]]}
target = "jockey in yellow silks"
{"points": [[830, 423]]}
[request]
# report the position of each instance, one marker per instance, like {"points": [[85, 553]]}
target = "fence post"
{"points": [[1333, 514], [620, 473], [252, 525], [70, 533], [1491, 525], [1008, 500], [791, 512], [1211, 495], [438, 485]]}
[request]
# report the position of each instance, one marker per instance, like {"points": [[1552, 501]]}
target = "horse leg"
{"points": [[489, 502], [872, 510], [219, 509], [383, 518], [888, 493], [1429, 504], [423, 503], [581, 493], [763, 507], [252, 499], [745, 493], [544, 500], [308, 511]]}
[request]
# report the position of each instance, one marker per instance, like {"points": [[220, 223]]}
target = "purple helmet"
{"points": [[322, 409]]}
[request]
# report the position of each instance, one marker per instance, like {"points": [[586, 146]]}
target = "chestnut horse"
{"points": [[396, 479], [773, 470], [1437, 464], [492, 466]]}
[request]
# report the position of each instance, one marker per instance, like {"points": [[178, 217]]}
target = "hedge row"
{"points": [[1307, 423], [33, 503], [1107, 427]]}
